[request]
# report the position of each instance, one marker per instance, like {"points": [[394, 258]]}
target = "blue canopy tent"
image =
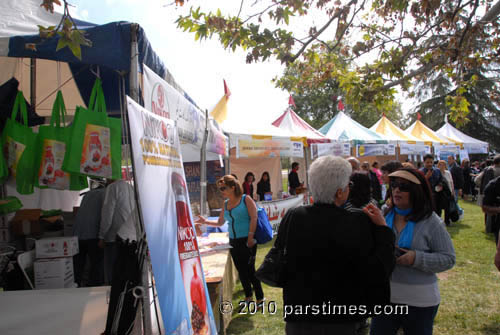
{"points": [[110, 55]]}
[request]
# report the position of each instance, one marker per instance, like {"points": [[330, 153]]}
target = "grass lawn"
{"points": [[470, 292]]}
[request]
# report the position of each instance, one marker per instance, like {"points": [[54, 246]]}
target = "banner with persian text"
{"points": [[251, 148], [166, 213]]}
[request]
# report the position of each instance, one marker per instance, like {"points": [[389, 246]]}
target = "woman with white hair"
{"points": [[338, 262]]}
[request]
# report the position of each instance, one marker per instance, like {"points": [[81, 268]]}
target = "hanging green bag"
{"points": [[95, 145], [18, 143], [52, 141]]}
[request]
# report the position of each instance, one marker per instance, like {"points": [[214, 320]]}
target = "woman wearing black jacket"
{"points": [[264, 186], [338, 262]]}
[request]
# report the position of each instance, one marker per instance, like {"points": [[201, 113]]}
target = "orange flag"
{"points": [[219, 113]]}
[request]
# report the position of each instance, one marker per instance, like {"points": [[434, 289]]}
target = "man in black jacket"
{"points": [[376, 188], [338, 263], [458, 179]]}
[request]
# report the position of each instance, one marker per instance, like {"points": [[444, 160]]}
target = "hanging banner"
{"points": [[414, 149], [251, 148], [165, 209], [476, 148], [335, 149], [464, 154], [376, 150], [443, 151], [165, 101], [217, 142], [277, 209]]}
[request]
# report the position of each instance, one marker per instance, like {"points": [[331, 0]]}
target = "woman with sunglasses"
{"points": [[423, 248], [240, 212]]}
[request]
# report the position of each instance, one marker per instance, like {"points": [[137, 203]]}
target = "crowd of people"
{"points": [[383, 247], [372, 237]]}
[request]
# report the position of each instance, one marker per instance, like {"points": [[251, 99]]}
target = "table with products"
{"points": [[220, 276]]}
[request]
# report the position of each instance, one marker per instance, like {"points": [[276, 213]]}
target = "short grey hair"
{"points": [[327, 174], [354, 163]]}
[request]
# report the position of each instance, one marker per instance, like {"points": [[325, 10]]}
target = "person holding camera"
{"points": [[423, 248]]}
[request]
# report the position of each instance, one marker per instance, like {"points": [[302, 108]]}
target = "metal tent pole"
{"points": [[203, 169], [134, 94]]}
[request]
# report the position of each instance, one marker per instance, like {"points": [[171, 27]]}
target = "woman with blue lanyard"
{"points": [[240, 212], [423, 248]]}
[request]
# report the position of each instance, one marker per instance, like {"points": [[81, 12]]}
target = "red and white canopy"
{"points": [[294, 124]]}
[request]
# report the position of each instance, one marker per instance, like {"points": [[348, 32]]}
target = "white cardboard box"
{"points": [[52, 247], [54, 273]]}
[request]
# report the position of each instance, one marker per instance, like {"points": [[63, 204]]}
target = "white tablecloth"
{"points": [[59, 311]]}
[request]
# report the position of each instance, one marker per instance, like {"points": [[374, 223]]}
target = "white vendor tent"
{"points": [[472, 145]]}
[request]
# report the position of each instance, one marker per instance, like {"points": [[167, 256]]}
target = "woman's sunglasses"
{"points": [[403, 187]]}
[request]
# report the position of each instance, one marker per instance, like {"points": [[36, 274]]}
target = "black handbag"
{"points": [[272, 271]]}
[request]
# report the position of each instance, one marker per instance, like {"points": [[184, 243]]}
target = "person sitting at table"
{"points": [[248, 184], [264, 186], [240, 212]]}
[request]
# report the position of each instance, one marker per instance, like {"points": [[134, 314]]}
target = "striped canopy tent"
{"points": [[424, 133], [393, 133], [343, 128], [294, 124], [472, 145]]}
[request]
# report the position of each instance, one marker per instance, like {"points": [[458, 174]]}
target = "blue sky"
{"points": [[199, 67]]}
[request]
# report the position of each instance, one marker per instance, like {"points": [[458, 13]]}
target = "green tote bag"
{"points": [[52, 141], [95, 145], [18, 143]]}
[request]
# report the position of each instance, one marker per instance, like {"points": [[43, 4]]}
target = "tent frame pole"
{"points": [[203, 169], [134, 94], [33, 83]]}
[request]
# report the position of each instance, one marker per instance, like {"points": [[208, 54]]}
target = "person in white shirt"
{"points": [[118, 218], [118, 235]]}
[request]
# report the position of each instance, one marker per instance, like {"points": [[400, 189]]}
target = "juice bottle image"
{"points": [[48, 168], [189, 259], [94, 152]]}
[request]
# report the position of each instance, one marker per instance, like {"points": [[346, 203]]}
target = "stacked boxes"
{"points": [[54, 264]]}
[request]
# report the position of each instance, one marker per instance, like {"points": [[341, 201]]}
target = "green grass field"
{"points": [[470, 292]]}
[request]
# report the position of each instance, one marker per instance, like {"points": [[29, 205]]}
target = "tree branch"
{"points": [[319, 32]]}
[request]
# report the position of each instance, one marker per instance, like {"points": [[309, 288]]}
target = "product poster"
{"points": [[376, 150], [165, 209], [13, 150], [51, 173], [96, 155]]}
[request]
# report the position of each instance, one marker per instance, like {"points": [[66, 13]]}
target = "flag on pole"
{"points": [[340, 106], [419, 116], [219, 113], [291, 102]]}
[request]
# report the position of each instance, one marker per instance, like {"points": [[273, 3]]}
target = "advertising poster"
{"points": [[51, 173], [414, 149], [376, 150], [250, 148], [443, 151], [165, 101], [165, 209], [335, 149]]}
